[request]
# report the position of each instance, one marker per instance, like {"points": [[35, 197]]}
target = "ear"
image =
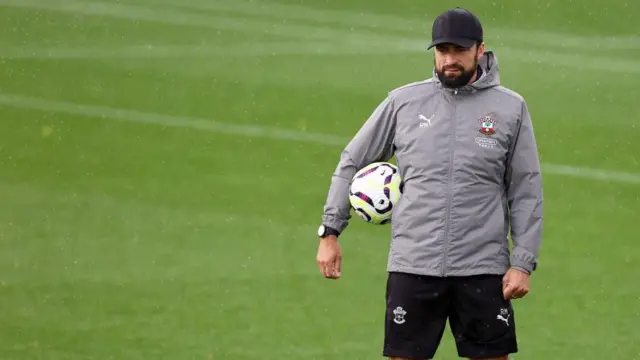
{"points": [[480, 51]]}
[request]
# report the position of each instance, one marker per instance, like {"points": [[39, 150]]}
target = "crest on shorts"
{"points": [[399, 314], [487, 125]]}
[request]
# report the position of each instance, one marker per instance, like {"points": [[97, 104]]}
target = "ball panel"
{"points": [[374, 192], [366, 171], [363, 214], [364, 198], [357, 202]]}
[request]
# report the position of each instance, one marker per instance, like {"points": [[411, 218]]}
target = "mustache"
{"points": [[453, 67]]}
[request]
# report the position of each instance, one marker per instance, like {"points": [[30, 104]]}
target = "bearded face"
{"points": [[456, 65]]}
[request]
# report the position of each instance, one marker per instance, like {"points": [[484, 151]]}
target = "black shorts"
{"points": [[418, 307]]}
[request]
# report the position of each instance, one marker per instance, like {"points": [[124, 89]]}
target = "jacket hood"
{"points": [[490, 73]]}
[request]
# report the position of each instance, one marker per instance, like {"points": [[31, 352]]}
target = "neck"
{"points": [[476, 75], [473, 78]]}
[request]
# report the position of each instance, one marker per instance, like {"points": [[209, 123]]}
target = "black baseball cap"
{"points": [[456, 26]]}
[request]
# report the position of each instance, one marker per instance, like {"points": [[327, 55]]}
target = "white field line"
{"points": [[256, 131], [109, 113]]}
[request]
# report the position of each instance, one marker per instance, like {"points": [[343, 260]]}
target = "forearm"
{"points": [[526, 233], [524, 190], [337, 208]]}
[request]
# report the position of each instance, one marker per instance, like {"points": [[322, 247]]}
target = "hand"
{"points": [[329, 257], [515, 284]]}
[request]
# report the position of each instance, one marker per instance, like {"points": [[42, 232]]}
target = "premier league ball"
{"points": [[375, 191]]}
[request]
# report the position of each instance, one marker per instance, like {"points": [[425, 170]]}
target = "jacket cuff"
{"points": [[523, 260], [334, 223], [521, 269]]}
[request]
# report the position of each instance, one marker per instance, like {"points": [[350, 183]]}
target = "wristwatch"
{"points": [[324, 231]]}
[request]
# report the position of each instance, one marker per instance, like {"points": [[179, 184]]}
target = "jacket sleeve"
{"points": [[524, 195], [372, 143]]}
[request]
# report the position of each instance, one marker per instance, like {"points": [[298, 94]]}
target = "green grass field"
{"points": [[164, 163]]}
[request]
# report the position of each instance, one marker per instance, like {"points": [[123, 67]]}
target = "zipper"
{"points": [[452, 147]]}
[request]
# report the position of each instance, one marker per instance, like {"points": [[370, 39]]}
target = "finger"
{"points": [[323, 267], [506, 280], [333, 272], [338, 266], [519, 292], [332, 275], [522, 292], [327, 270]]}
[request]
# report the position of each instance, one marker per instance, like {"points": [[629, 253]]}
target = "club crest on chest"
{"points": [[487, 125]]}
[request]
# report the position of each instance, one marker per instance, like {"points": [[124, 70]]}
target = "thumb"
{"points": [[507, 291], [505, 279]]}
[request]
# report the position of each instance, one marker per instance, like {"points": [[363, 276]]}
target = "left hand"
{"points": [[515, 284]]}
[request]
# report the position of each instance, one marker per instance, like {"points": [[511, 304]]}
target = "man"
{"points": [[468, 158]]}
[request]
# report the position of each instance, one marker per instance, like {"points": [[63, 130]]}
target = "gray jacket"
{"points": [[469, 162]]}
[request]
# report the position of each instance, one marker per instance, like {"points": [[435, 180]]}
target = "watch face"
{"points": [[321, 230]]}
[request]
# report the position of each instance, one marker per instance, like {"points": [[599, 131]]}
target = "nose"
{"points": [[450, 59]]}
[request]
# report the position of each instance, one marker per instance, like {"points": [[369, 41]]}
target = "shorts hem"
{"points": [[477, 353], [390, 353]]}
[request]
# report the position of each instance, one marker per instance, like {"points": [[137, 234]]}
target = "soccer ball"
{"points": [[374, 191]]}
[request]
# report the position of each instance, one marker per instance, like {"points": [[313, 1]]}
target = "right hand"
{"points": [[329, 257]]}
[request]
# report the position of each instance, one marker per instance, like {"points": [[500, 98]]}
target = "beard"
{"points": [[456, 81]]}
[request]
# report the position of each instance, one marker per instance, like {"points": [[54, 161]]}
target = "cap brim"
{"points": [[465, 43]]}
